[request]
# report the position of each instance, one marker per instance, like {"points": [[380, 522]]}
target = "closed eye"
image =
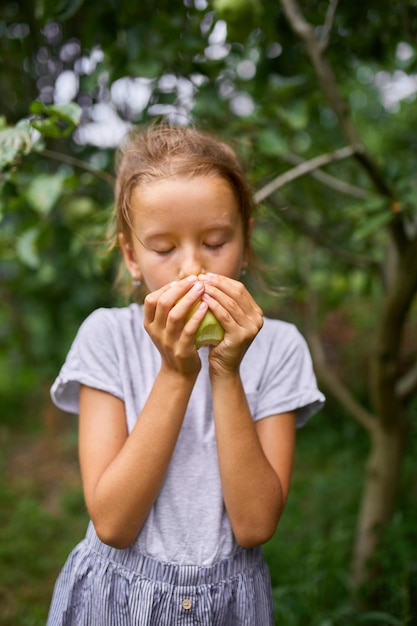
{"points": [[164, 252], [214, 246]]}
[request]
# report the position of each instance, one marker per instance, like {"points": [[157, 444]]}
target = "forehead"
{"points": [[177, 200]]}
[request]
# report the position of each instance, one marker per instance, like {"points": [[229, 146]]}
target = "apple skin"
{"points": [[210, 332]]}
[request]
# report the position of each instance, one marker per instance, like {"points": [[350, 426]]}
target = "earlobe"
{"points": [[129, 258]]}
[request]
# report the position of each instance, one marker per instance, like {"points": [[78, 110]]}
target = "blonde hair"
{"points": [[160, 151]]}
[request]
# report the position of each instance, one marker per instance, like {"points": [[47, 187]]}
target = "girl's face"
{"points": [[183, 226]]}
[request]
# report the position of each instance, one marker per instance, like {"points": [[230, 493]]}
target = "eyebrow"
{"points": [[225, 228]]}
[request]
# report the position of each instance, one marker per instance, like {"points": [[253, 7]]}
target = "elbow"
{"points": [[256, 529], [113, 526], [251, 536], [114, 537]]}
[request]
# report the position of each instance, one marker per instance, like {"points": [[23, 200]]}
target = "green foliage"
{"points": [[236, 67], [242, 16], [55, 120], [52, 121], [14, 142], [308, 557], [35, 540]]}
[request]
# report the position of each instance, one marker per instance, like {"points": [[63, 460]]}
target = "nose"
{"points": [[191, 263]]}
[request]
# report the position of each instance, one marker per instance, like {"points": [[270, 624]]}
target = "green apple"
{"points": [[209, 333]]}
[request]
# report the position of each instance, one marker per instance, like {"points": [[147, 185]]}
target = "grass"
{"points": [[310, 555], [42, 517]]}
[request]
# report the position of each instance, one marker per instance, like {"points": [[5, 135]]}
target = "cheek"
{"points": [[156, 275], [234, 266]]}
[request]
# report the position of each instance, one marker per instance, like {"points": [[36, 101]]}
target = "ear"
{"points": [[129, 258]]}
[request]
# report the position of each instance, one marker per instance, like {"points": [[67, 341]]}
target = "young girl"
{"points": [[185, 454]]}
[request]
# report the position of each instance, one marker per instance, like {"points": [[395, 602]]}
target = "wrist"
{"points": [[219, 376], [178, 376]]}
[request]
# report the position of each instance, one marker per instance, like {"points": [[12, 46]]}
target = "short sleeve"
{"points": [[286, 381], [92, 360]]}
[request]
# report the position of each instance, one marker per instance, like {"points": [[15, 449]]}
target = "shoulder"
{"points": [[99, 355], [108, 332], [277, 326], [111, 320], [279, 346], [113, 315], [279, 373], [277, 332]]}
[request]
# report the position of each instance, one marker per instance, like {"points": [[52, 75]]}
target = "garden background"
{"points": [[319, 99]]}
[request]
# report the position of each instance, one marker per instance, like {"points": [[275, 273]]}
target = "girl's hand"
{"points": [[238, 313], [168, 322]]}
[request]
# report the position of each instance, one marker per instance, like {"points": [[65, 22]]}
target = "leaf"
{"points": [[372, 225], [79, 208], [59, 119], [295, 117], [271, 143], [70, 112], [26, 248], [61, 10], [14, 142], [241, 16], [51, 128], [236, 9], [43, 192], [380, 618]]}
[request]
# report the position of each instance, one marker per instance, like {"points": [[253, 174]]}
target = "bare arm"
{"points": [[122, 474], [255, 462]]}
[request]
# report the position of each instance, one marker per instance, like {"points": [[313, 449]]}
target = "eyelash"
{"points": [[164, 252], [216, 246]]}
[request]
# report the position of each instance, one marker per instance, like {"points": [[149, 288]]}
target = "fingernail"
{"points": [[192, 278]]}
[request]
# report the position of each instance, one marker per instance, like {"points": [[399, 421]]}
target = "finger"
{"points": [[237, 301], [151, 301], [178, 314], [233, 288], [184, 306], [166, 297]]}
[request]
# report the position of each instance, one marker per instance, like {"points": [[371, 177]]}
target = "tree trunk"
{"points": [[389, 430], [378, 498]]}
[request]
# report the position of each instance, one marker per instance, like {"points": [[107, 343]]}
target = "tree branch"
{"points": [[407, 384], [66, 158], [326, 78], [336, 386], [330, 181], [302, 169], [396, 307], [328, 24], [315, 234], [325, 373]]}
